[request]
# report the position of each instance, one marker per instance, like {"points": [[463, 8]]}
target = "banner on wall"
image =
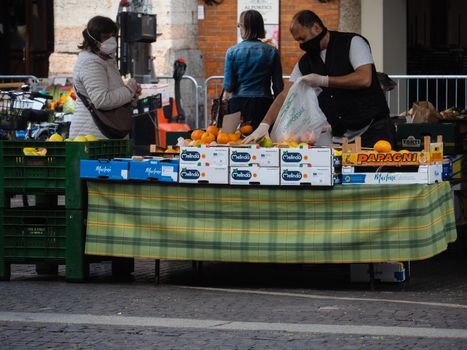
{"points": [[269, 9]]}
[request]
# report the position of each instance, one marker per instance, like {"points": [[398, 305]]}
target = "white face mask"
{"points": [[109, 46]]}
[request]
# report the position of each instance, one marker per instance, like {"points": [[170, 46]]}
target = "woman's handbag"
{"points": [[219, 108], [114, 123]]}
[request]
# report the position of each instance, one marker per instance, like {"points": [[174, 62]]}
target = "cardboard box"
{"points": [[104, 169], [192, 173], [253, 154], [426, 174], [306, 175], [383, 272], [154, 89], [156, 170], [453, 167], [410, 136], [316, 157], [205, 155], [254, 175]]}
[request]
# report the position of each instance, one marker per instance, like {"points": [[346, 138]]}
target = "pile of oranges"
{"points": [[212, 135]]}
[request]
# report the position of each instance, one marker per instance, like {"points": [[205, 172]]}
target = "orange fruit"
{"points": [[403, 151], [246, 129], [223, 138], [207, 137], [382, 146], [213, 130], [196, 134], [235, 136]]}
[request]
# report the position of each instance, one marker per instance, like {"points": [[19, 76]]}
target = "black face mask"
{"points": [[312, 46]]}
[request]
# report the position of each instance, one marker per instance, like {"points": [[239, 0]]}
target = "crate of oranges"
{"points": [[383, 165]]}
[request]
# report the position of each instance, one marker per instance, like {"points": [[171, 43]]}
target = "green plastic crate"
{"points": [[31, 236], [57, 171]]}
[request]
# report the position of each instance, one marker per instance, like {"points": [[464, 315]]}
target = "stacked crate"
{"points": [[43, 203]]}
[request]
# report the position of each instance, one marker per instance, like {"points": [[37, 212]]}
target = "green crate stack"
{"points": [[47, 227]]}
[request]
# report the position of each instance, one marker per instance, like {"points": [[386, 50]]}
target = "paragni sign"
{"points": [[269, 9]]}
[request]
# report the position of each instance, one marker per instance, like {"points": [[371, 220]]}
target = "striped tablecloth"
{"points": [[258, 224]]}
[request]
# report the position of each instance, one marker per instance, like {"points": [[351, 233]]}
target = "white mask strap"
{"points": [[87, 31]]}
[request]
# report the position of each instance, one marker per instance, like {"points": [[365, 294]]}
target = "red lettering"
{"points": [[362, 158]]}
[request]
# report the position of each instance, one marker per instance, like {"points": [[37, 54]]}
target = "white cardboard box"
{"points": [[154, 89], [316, 157], [254, 175], [384, 272], [262, 156], [306, 175], [427, 174], [205, 155], [191, 173]]}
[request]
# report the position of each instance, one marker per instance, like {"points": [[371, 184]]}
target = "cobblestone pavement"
{"points": [[251, 295]]}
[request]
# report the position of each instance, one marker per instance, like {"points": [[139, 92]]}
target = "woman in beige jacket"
{"points": [[96, 76]]}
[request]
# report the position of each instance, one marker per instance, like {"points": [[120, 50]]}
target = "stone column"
{"points": [[70, 18], [350, 16]]}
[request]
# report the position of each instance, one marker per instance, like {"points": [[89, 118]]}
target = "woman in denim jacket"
{"points": [[250, 68]]}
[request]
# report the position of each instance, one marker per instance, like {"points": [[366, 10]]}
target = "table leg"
{"points": [[157, 271], [372, 276], [407, 270]]}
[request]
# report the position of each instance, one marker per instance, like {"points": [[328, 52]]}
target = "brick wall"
{"points": [[217, 32]]}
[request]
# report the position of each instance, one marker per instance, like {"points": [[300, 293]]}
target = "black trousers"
{"points": [[252, 109], [382, 129]]}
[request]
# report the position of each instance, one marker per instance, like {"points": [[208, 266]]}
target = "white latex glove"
{"points": [[261, 131], [316, 80], [132, 85]]}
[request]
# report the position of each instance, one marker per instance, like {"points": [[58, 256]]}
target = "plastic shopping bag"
{"points": [[300, 119]]}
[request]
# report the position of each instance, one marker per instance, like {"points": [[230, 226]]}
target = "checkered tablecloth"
{"points": [[257, 224]]}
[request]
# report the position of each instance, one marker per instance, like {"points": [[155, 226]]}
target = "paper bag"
{"points": [[424, 112]]}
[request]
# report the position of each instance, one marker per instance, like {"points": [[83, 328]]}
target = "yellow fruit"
{"points": [[80, 139], [68, 139], [266, 142], [90, 137], [55, 138]]}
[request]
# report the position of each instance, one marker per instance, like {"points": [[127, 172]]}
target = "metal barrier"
{"points": [[443, 91], [197, 92]]}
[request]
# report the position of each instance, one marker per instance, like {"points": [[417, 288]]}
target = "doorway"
{"points": [[26, 31]]}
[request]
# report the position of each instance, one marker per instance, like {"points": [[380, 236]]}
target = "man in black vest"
{"points": [[341, 65]]}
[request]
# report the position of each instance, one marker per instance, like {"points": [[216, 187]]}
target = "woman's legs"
{"points": [[252, 109]]}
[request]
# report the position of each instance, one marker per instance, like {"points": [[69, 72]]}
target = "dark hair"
{"points": [[253, 24], [96, 27], [307, 18]]}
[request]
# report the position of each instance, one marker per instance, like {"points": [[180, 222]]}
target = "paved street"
{"points": [[238, 306]]}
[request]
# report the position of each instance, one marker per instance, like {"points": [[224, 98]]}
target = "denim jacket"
{"points": [[250, 67]]}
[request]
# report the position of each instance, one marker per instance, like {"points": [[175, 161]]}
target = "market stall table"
{"points": [[346, 224]]}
